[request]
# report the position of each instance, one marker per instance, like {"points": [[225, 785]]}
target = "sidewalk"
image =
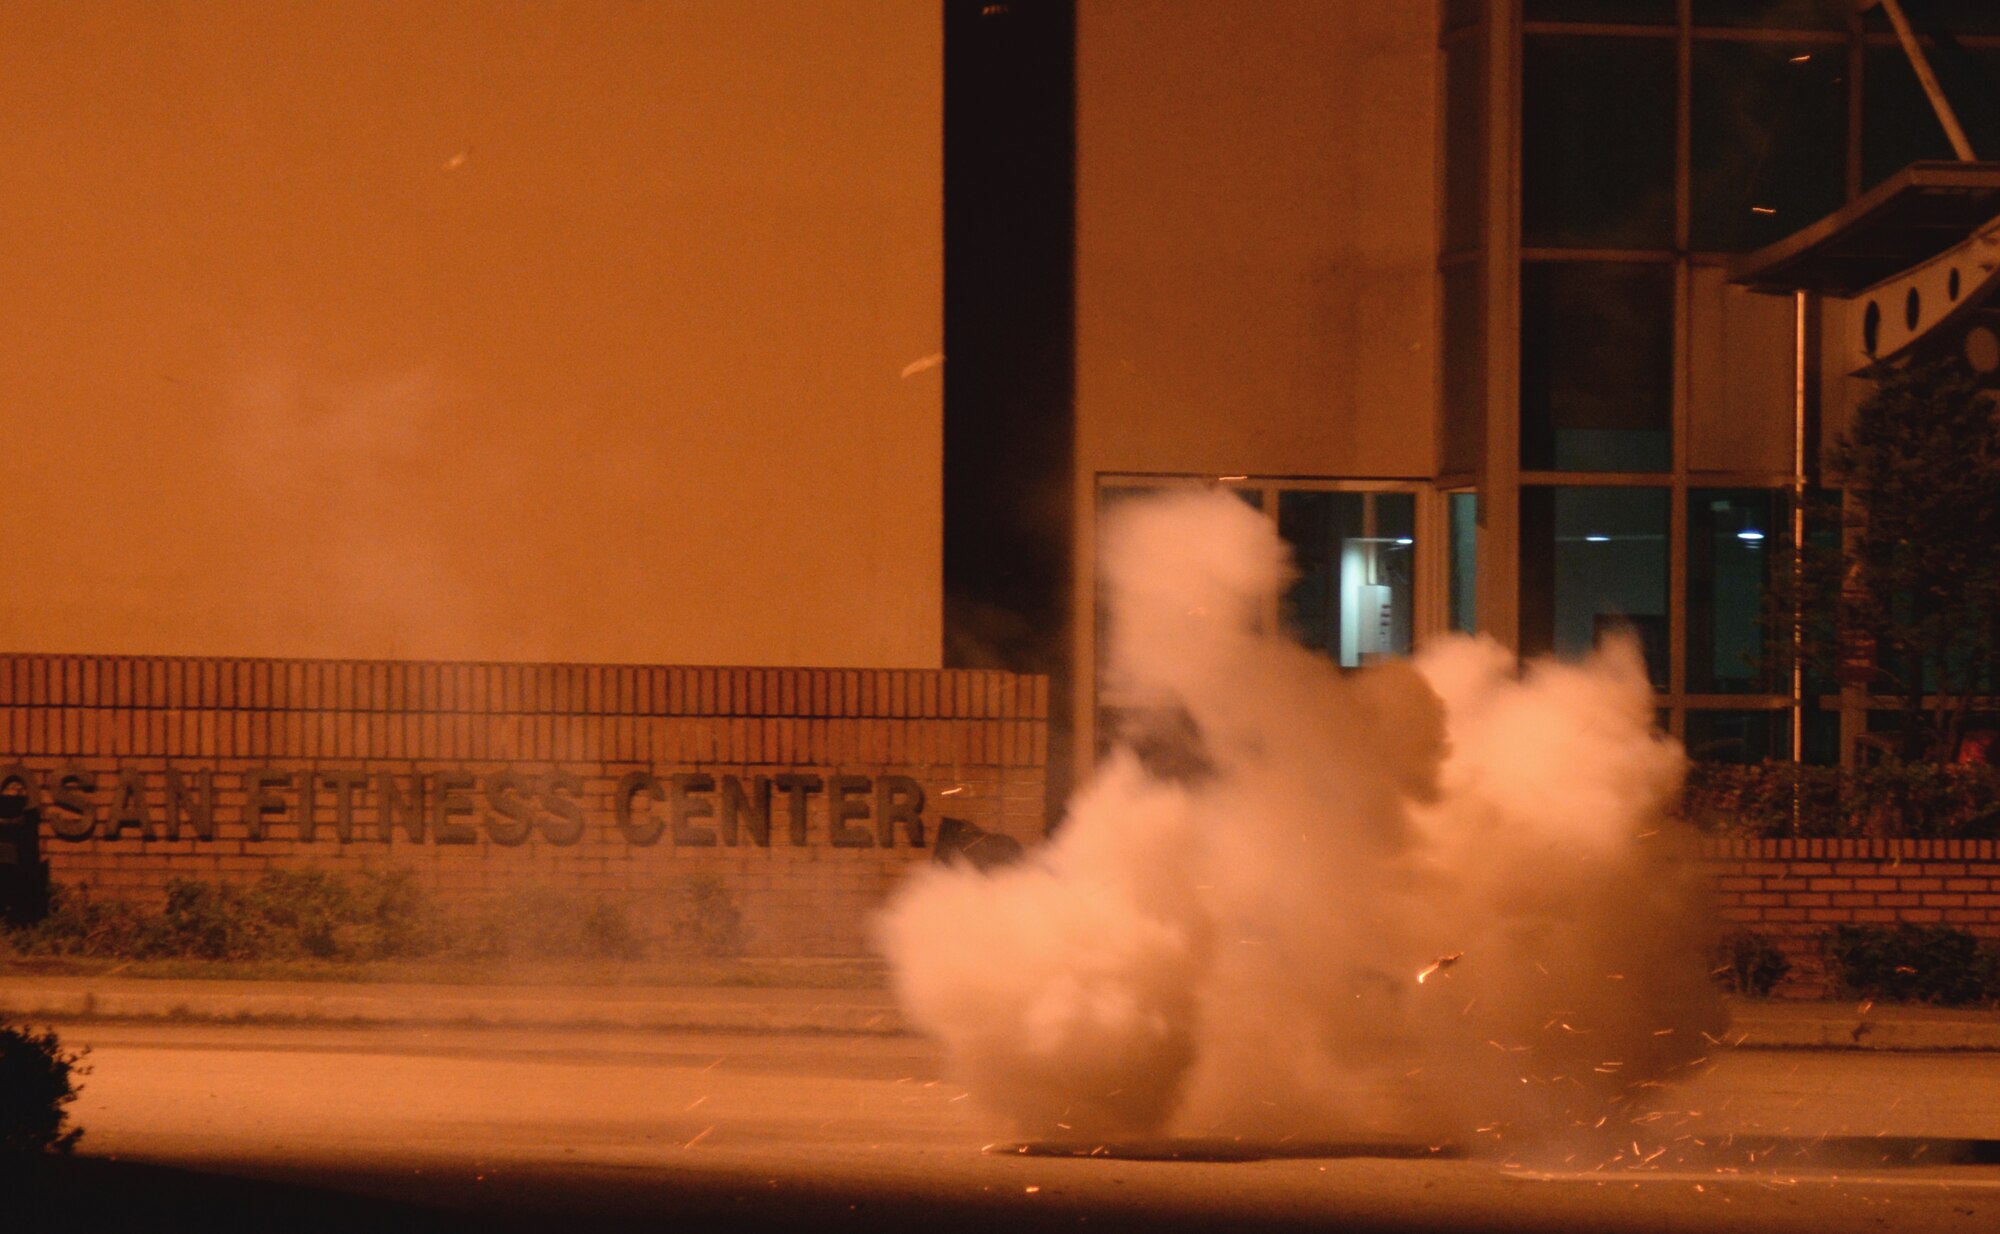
{"points": [[1755, 1025], [715, 1008], [1845, 1026]]}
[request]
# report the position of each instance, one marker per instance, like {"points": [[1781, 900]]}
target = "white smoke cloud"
{"points": [[1225, 938]]}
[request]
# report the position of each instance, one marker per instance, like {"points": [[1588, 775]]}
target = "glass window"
{"points": [[1952, 16], [1355, 555], [1597, 359], [1593, 565], [1464, 509], [1774, 14], [1630, 12], [1464, 145], [1738, 736], [1734, 535], [1898, 124], [1821, 746], [1597, 142], [1769, 133], [1824, 532], [1460, 13]]}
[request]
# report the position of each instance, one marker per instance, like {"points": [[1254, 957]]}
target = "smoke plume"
{"points": [[1435, 898]]}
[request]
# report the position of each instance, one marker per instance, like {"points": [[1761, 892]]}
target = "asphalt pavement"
{"points": [[23, 997], [292, 1128]]}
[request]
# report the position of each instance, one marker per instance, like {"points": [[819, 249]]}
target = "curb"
{"points": [[659, 1010], [1755, 1026], [1856, 1032]]}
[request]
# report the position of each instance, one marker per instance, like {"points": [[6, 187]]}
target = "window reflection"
{"points": [[1464, 511], [1593, 567], [1353, 597], [1955, 16], [1737, 736], [1597, 143], [1769, 133], [1898, 125], [1773, 14], [1734, 536], [1652, 12], [1597, 353], [1355, 551]]}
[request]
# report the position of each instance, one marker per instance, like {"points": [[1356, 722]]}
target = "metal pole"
{"points": [[1918, 61], [1799, 356]]}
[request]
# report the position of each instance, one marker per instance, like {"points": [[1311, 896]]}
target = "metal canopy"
{"points": [[1912, 216]]}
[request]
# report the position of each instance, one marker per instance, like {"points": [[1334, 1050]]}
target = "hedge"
{"points": [[1914, 801]]}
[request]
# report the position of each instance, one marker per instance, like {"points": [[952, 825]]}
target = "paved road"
{"points": [[514, 1129]]}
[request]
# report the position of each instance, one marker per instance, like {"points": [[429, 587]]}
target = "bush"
{"points": [[1926, 801], [1922, 801], [314, 914], [78, 925], [705, 917], [1747, 963], [547, 924], [213, 921], [370, 916], [285, 914], [396, 917], [1913, 964], [37, 1084]]}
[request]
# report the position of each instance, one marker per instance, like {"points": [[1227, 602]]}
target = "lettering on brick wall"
{"points": [[511, 807]]}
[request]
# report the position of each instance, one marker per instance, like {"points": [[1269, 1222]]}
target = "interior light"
{"points": [[1597, 539], [1405, 541], [1750, 535]]}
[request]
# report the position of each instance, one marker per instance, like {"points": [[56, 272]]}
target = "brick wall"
{"points": [[1793, 891], [100, 737], [621, 781]]}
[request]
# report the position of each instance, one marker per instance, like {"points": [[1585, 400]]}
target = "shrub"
{"points": [[214, 921], [1913, 964], [705, 917], [1893, 801], [37, 1084], [309, 912], [395, 917], [371, 915], [1925, 801], [368, 916], [285, 914], [78, 925], [1748, 963], [545, 923]]}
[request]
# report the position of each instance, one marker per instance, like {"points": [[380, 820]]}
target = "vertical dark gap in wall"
{"points": [[1009, 424]]}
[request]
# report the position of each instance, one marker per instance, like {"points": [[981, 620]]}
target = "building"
{"points": [[399, 397], [1447, 290], [442, 395], [472, 333]]}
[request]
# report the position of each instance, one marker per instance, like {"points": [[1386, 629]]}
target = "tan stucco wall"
{"points": [[461, 329], [1256, 242]]}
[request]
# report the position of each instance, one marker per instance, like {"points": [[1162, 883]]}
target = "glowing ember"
{"points": [[1438, 965]]}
